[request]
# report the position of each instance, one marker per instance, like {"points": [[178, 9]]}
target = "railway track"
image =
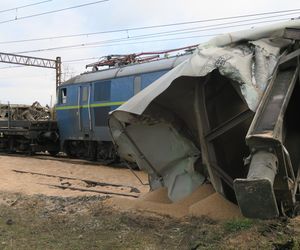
{"points": [[84, 185], [63, 158]]}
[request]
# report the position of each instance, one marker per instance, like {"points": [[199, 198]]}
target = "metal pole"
{"points": [[9, 116], [58, 71], [263, 166]]}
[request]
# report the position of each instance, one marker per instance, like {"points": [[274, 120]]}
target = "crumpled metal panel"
{"points": [[163, 152], [246, 58], [216, 52]]}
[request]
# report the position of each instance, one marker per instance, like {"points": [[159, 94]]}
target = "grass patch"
{"points": [[237, 225], [40, 222]]}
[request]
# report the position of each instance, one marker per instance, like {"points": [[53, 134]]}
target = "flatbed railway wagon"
{"points": [[29, 136]]}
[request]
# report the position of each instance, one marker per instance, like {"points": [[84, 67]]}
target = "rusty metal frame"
{"points": [[35, 62], [208, 135], [229, 124], [265, 135]]}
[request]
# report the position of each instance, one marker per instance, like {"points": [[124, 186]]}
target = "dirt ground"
{"points": [[39, 175], [38, 210]]}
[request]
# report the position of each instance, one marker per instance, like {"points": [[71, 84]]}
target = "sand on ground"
{"points": [[11, 181], [202, 202]]}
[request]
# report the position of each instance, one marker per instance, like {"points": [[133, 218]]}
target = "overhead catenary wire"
{"points": [[141, 42], [189, 30], [84, 59], [25, 6], [53, 11], [132, 43], [117, 42], [153, 35], [104, 43], [151, 41], [287, 12], [204, 28]]}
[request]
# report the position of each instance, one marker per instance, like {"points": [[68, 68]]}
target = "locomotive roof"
{"points": [[128, 70]]}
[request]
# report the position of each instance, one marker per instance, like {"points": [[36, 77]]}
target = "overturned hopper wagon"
{"points": [[228, 115]]}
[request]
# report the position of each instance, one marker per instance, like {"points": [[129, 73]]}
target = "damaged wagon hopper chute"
{"points": [[227, 115]]}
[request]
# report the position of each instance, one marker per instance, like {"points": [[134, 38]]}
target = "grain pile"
{"points": [[202, 202], [216, 207]]}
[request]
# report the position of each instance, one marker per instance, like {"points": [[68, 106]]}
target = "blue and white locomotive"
{"points": [[83, 104]]}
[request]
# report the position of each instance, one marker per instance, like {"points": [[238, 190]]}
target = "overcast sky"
{"points": [[29, 84]]}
